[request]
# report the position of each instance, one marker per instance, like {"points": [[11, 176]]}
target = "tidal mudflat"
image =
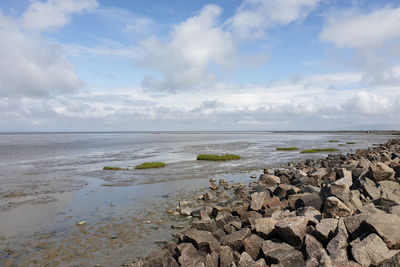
{"points": [[51, 182]]}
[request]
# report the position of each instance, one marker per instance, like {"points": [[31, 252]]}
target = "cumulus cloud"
{"points": [[203, 43], [184, 61], [30, 66], [53, 14], [253, 17], [371, 35]]}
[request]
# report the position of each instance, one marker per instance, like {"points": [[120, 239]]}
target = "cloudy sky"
{"points": [[90, 65]]}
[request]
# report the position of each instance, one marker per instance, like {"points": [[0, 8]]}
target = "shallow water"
{"points": [[49, 182]]}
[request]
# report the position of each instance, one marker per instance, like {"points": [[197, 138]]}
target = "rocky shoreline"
{"points": [[343, 210]]}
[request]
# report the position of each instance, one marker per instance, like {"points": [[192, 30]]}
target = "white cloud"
{"points": [[31, 66], [54, 14], [372, 36], [357, 30], [253, 17], [184, 61]]}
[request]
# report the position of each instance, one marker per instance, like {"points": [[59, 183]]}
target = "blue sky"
{"points": [[76, 65]]}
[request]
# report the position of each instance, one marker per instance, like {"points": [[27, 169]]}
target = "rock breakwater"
{"points": [[343, 210]]}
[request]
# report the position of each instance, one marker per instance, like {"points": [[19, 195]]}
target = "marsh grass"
{"points": [[111, 168], [212, 157], [333, 141], [149, 165], [287, 148], [350, 143], [316, 150]]}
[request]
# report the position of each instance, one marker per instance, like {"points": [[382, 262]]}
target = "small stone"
{"points": [[258, 200], [81, 223]]}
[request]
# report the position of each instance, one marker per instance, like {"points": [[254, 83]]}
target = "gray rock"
{"points": [[226, 256], [205, 225], [265, 226], [311, 245], [337, 248], [392, 262], [282, 254], [246, 260], [313, 215], [326, 229], [386, 226], [189, 256], [370, 189], [236, 239], [353, 224], [371, 250], [258, 200], [320, 258], [292, 229], [252, 245], [380, 171], [160, 258], [185, 207], [334, 208], [212, 260], [203, 240]]}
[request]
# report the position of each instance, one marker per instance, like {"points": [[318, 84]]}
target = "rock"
{"points": [[313, 215], [337, 248], [325, 229], [213, 186], [265, 226], [311, 244], [81, 223], [258, 200], [306, 199], [353, 224], [246, 260], [370, 189], [380, 171], [189, 256], [354, 198], [395, 210], [226, 256], [236, 239], [392, 262], [205, 225], [203, 240], [371, 250], [320, 258], [341, 191], [185, 208], [208, 196], [160, 258], [345, 178], [334, 208], [386, 226], [260, 263], [292, 229], [270, 179], [282, 254], [212, 260], [252, 245]]}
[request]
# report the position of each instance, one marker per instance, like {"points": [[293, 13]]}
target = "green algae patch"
{"points": [[212, 157], [150, 165], [350, 143], [287, 148], [333, 141], [111, 168], [316, 150]]}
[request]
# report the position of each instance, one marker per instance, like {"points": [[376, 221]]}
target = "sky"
{"points": [[178, 65]]}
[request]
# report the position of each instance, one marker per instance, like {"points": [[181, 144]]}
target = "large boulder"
{"points": [[282, 254], [380, 171], [252, 245], [334, 208], [202, 240], [292, 229], [386, 226], [371, 250], [236, 239], [189, 256], [325, 230], [265, 226]]}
